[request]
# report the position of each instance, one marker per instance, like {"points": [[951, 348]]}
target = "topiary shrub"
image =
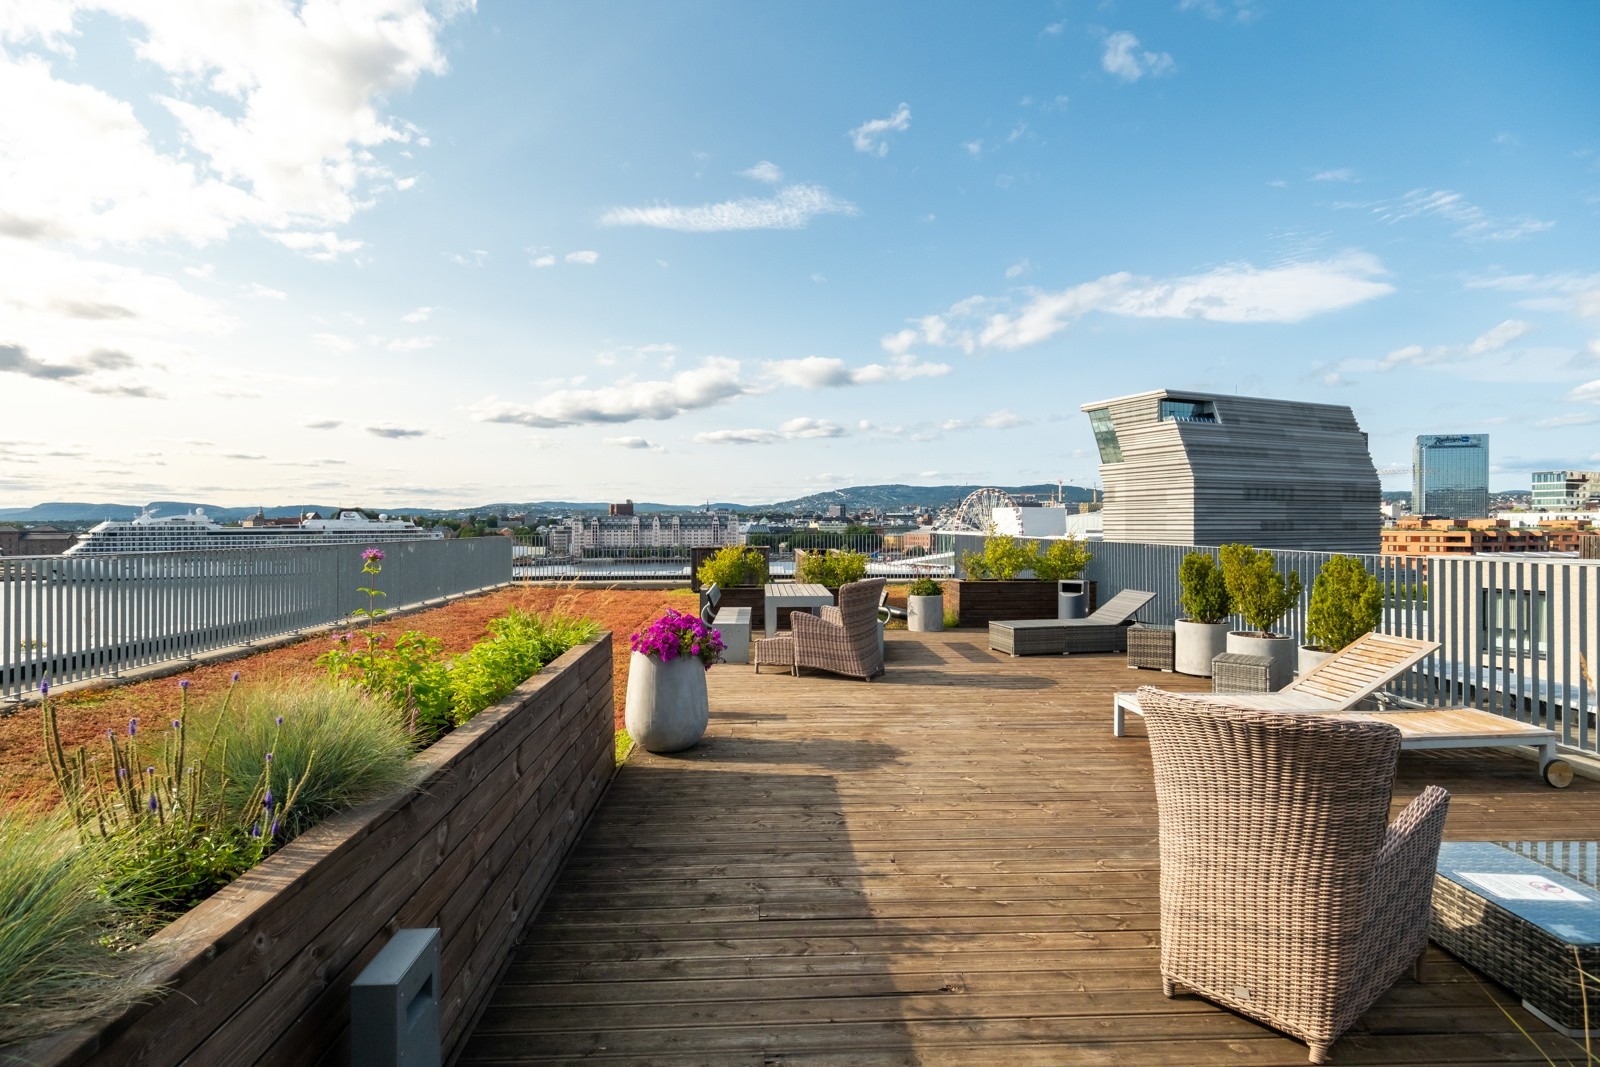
{"points": [[1259, 592], [1346, 602], [1003, 558], [1204, 593], [925, 587], [1063, 559], [732, 566]]}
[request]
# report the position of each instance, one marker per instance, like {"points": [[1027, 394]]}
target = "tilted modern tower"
{"points": [[1209, 469]]}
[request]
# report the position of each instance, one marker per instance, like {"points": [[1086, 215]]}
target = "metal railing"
{"points": [[71, 618], [541, 557], [1518, 637]]}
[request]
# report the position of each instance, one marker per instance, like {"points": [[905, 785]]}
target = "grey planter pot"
{"points": [[1280, 650], [1196, 644], [925, 614], [1312, 658], [668, 708]]}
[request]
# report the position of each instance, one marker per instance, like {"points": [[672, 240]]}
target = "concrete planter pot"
{"points": [[668, 708], [1280, 650], [925, 614], [1312, 658], [1196, 644]]}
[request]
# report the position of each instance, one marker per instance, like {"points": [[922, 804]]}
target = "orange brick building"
{"points": [[1421, 535]]}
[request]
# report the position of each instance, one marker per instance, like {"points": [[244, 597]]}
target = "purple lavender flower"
{"points": [[133, 727], [269, 757], [154, 804], [274, 831], [44, 689], [235, 676], [255, 831], [280, 720], [267, 802], [122, 772], [149, 770], [184, 684], [177, 724]]}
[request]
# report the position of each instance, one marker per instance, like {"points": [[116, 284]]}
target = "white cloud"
{"points": [[797, 429], [1236, 293], [1567, 291], [393, 432], [1241, 10], [872, 136], [1474, 224], [1576, 418], [546, 260], [821, 372], [712, 382], [324, 246], [411, 344], [974, 148], [639, 443], [1499, 336], [900, 343], [587, 257], [1018, 269], [324, 424], [1588, 392], [791, 208], [257, 291], [765, 171], [1342, 174], [476, 258], [334, 342], [418, 315], [1124, 59]]}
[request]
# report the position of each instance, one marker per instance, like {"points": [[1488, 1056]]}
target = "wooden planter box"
{"points": [[977, 604], [261, 972]]}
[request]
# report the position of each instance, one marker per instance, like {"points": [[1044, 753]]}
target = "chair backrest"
{"points": [[710, 597], [1266, 820], [1361, 668], [858, 606], [1122, 607]]}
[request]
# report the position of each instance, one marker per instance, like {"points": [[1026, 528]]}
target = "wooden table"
{"points": [[789, 596]]}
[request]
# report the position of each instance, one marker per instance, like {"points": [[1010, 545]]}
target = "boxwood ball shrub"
{"points": [[925, 587]]}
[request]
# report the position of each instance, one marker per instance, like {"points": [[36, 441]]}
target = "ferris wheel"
{"points": [[976, 512]]}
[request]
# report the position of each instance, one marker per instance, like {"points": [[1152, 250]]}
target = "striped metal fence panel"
{"points": [[72, 618]]}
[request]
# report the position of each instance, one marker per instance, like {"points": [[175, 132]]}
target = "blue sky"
{"points": [[403, 253]]}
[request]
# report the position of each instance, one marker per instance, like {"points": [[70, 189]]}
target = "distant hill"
{"points": [[854, 498]]}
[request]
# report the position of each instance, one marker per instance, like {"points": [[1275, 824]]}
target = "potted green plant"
{"points": [[1203, 634], [1346, 602], [740, 573], [1003, 580], [1263, 595], [925, 606]]}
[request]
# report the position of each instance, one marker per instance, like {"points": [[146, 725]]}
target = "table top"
{"points": [[1555, 885], [799, 591]]}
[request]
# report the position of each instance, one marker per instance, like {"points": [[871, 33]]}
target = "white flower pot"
{"points": [[668, 708], [1280, 650], [1312, 658], [925, 614], [1196, 644]]}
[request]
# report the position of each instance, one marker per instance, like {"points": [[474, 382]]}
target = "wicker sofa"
{"points": [[1286, 894], [843, 639]]}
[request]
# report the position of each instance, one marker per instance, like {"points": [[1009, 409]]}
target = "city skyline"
{"points": [[437, 254]]}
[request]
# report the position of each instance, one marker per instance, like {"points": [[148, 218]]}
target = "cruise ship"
{"points": [[193, 531]]}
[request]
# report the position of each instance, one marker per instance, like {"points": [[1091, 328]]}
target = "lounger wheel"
{"points": [[1557, 773]]}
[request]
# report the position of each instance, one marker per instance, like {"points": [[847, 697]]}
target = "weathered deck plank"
{"points": [[950, 865]]}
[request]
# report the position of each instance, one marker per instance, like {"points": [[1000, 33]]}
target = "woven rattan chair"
{"points": [[1286, 894], [1106, 630], [843, 639]]}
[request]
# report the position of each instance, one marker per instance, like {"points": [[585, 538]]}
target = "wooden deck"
{"points": [[955, 864]]}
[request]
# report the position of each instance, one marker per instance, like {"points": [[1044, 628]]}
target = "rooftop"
{"points": [[953, 864]]}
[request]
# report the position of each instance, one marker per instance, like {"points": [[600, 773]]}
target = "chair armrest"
{"points": [[1420, 825], [830, 615], [1399, 902]]}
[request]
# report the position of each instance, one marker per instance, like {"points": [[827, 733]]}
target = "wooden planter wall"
{"points": [[977, 604], [260, 973]]}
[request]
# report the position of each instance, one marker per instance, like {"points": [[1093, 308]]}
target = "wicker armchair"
{"points": [[843, 639], [1285, 893]]}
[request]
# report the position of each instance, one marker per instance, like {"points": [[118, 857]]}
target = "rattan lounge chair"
{"points": [[1286, 894], [1106, 630], [842, 640]]}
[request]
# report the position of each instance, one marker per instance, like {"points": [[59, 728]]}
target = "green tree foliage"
{"points": [[925, 587], [833, 568], [1205, 594], [1259, 592], [1062, 559], [1346, 602], [1002, 559], [733, 566]]}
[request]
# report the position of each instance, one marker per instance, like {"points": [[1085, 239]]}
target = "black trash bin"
{"points": [[1072, 599]]}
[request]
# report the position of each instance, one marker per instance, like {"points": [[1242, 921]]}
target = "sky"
{"points": [[396, 253]]}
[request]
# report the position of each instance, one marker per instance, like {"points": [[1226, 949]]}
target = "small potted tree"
{"points": [[1203, 635], [1263, 595], [1346, 602], [925, 607]]}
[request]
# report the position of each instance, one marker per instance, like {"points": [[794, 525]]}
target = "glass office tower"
{"points": [[1450, 475]]}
